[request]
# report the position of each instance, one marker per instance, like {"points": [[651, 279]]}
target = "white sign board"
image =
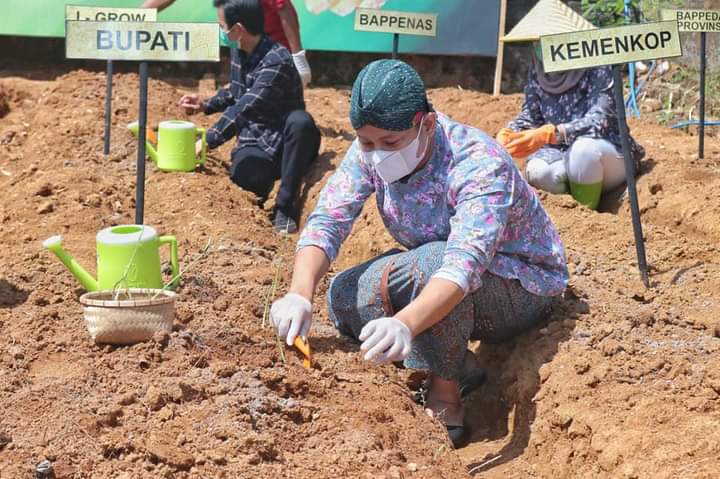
{"points": [[110, 14], [405, 23], [694, 20], [610, 46], [144, 41]]}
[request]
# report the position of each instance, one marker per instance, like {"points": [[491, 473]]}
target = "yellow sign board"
{"points": [[609, 46], [142, 41], [694, 20], [387, 21], [110, 14]]}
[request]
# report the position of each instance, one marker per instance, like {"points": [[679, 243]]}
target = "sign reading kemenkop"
{"points": [[694, 20], [110, 14], [404, 23], [609, 46], [142, 41]]}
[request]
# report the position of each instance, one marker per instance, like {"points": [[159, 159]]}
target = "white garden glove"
{"points": [[292, 316], [303, 67], [385, 340]]}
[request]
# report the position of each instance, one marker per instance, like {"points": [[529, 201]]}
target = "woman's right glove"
{"points": [[292, 316]]}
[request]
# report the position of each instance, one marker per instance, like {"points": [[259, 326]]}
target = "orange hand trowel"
{"points": [[304, 347]]}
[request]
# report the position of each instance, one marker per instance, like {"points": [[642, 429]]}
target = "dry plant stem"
{"points": [[202, 255], [486, 463], [117, 289]]}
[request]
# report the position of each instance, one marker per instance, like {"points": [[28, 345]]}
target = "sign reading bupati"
{"points": [[694, 20], [143, 41], [109, 14], [609, 46], [404, 23]]}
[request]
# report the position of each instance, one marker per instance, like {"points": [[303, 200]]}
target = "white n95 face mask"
{"points": [[394, 165]]}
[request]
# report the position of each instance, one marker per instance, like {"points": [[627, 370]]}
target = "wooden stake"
{"points": [[500, 49]]}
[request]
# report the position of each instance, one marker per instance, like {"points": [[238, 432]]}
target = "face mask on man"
{"points": [[225, 40], [394, 165]]}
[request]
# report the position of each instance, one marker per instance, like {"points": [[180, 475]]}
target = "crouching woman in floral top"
{"points": [[482, 259]]}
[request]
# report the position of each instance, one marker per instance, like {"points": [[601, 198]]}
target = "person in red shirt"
{"points": [[281, 24]]}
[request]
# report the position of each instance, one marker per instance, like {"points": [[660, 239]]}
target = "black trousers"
{"points": [[254, 170]]}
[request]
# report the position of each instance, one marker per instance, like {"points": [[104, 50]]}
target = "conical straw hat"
{"points": [[545, 18]]}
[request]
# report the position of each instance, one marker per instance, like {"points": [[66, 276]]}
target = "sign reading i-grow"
{"points": [[110, 14], [609, 46], [142, 41]]}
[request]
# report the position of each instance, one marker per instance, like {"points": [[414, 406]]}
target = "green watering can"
{"points": [[175, 145], [127, 257]]}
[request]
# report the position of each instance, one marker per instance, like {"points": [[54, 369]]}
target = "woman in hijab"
{"points": [[568, 131], [482, 260]]}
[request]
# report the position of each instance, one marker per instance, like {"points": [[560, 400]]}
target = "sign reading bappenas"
{"points": [[110, 14], [404, 23], [609, 46], [145, 41], [694, 20]]}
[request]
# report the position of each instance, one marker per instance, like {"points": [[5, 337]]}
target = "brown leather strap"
{"points": [[385, 290]]}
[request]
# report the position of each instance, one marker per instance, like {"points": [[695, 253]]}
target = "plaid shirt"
{"points": [[264, 88]]}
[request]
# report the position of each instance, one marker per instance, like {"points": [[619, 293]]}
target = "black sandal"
{"points": [[458, 435]]}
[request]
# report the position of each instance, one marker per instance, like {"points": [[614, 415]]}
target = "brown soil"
{"points": [[623, 382]]}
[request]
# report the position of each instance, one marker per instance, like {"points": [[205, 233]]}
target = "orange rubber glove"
{"points": [[504, 135], [524, 143]]}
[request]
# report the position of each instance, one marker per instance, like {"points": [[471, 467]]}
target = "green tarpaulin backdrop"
{"points": [[465, 27]]}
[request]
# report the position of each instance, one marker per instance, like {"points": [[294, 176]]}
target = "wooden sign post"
{"points": [[79, 13], [616, 46], [143, 42], [397, 23], [702, 21]]}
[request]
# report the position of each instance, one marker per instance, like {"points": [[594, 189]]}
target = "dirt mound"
{"points": [[215, 398], [622, 382]]}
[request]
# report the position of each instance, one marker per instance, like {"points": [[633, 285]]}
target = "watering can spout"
{"points": [[134, 127], [54, 244]]}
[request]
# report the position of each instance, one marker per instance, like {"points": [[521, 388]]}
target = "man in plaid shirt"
{"points": [[264, 109]]}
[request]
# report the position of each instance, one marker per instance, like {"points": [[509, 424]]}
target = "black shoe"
{"points": [[458, 436], [283, 223]]}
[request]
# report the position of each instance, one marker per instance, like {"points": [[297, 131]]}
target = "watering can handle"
{"points": [[173, 258], [203, 152]]}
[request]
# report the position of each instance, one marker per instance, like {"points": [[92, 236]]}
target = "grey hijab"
{"points": [[559, 82]]}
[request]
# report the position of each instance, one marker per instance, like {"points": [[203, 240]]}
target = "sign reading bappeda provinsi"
{"points": [[694, 20], [404, 23], [143, 41], [110, 14], [609, 46]]}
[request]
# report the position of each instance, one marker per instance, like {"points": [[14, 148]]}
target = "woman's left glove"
{"points": [[525, 143], [303, 67], [385, 340]]}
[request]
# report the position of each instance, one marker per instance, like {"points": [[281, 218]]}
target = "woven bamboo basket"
{"points": [[135, 317]]}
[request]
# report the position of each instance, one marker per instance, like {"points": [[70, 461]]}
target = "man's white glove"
{"points": [[303, 67], [292, 316], [385, 340]]}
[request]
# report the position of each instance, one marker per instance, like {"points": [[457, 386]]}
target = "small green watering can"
{"points": [[127, 257], [175, 145]]}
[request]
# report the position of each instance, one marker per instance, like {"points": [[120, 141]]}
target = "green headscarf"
{"points": [[387, 94]]}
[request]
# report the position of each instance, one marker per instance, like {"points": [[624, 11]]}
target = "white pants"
{"points": [[587, 161]]}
